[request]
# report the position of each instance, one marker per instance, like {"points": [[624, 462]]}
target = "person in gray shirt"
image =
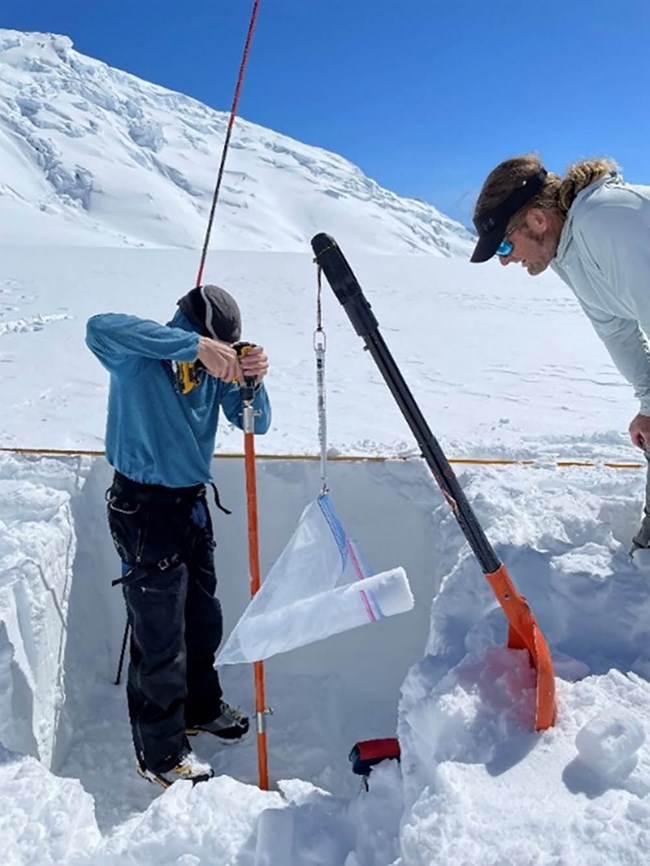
{"points": [[593, 230]]}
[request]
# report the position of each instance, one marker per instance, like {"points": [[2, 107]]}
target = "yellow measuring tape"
{"points": [[352, 458]]}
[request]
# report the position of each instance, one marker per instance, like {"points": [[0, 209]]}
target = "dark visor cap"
{"points": [[492, 224], [212, 312]]}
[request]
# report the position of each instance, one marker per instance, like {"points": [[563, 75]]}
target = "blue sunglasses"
{"points": [[504, 248]]}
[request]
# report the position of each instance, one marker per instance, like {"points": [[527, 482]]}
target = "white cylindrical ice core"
{"points": [[388, 590]]}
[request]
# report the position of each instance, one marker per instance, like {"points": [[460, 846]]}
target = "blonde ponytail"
{"points": [[558, 193], [580, 175]]}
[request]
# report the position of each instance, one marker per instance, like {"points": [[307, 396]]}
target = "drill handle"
{"points": [[248, 388]]}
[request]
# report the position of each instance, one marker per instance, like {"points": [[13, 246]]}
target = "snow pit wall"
{"points": [[60, 618]]}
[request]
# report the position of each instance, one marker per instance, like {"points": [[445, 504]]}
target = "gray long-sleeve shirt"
{"points": [[604, 257]]}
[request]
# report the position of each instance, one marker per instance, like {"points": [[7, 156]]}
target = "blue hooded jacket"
{"points": [[155, 435]]}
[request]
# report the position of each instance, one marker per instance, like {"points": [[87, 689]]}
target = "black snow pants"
{"points": [[164, 538]]}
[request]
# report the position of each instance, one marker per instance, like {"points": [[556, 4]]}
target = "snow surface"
{"points": [[503, 366]]}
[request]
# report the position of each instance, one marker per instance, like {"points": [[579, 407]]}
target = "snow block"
{"points": [[609, 742], [37, 547]]}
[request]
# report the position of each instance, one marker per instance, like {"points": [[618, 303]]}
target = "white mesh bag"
{"points": [[317, 587]]}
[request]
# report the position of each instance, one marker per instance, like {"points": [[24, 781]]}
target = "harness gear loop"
{"points": [[217, 500]]}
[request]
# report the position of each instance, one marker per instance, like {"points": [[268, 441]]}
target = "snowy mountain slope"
{"points": [[93, 155]]}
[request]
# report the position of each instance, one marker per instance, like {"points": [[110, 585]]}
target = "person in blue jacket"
{"points": [[593, 230], [160, 440]]}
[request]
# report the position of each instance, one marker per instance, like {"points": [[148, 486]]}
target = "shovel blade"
{"points": [[525, 633]]}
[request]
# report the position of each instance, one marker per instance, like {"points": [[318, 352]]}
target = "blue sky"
{"points": [[425, 96]]}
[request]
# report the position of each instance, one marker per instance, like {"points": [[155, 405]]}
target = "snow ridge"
{"points": [[127, 162]]}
